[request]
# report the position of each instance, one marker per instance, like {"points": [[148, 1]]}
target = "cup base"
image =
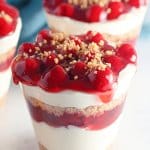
{"points": [[110, 147], [42, 147]]}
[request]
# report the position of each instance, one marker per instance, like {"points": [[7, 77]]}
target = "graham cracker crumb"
{"points": [[88, 111]]}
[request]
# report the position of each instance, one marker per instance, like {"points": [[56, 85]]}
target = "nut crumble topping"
{"points": [[87, 3], [65, 47]]}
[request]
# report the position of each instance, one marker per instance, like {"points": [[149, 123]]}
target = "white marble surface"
{"points": [[16, 132]]}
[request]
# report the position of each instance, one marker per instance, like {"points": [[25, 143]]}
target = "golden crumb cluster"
{"points": [[87, 3], [72, 49]]}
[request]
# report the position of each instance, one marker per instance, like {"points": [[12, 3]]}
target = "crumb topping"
{"points": [[87, 3], [70, 49]]}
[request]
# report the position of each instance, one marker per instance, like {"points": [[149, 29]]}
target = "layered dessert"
{"points": [[10, 26], [117, 20], [75, 87]]}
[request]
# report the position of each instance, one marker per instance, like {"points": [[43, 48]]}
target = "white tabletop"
{"points": [[16, 132]]}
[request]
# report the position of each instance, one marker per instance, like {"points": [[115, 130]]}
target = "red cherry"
{"points": [[128, 53], [2, 1], [97, 38], [6, 27], [79, 69], [64, 9], [28, 48], [94, 13], [17, 69], [51, 3], [27, 70], [116, 9], [55, 77], [50, 61], [32, 65], [44, 34], [117, 64], [32, 70], [10, 10], [107, 47], [134, 3], [102, 80], [92, 37]]}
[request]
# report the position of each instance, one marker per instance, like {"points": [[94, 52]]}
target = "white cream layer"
{"points": [[5, 78], [124, 24], [79, 99], [74, 138], [10, 41]]}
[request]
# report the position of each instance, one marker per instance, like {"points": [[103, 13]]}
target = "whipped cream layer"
{"points": [[74, 138], [5, 78], [80, 99], [11, 40], [124, 24]]}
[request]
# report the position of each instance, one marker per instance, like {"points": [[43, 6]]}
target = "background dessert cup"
{"points": [[74, 91], [10, 26], [118, 21]]}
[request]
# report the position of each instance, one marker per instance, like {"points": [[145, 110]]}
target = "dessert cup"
{"points": [[9, 35], [118, 21], [75, 88]]}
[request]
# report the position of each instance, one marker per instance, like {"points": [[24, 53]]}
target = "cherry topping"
{"points": [[10, 10], [79, 69], [102, 80], [128, 53], [52, 3], [135, 3], [50, 60], [27, 69], [117, 63], [91, 11], [115, 9], [44, 34], [8, 19], [94, 13], [28, 48], [2, 1], [54, 78], [5, 27], [97, 38], [81, 63], [64, 9], [94, 37]]}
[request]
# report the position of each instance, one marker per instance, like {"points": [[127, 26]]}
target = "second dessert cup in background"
{"points": [[118, 21], [75, 88], [10, 27]]}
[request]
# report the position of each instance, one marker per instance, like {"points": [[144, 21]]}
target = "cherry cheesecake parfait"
{"points": [[10, 26], [75, 88], [117, 20]]}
